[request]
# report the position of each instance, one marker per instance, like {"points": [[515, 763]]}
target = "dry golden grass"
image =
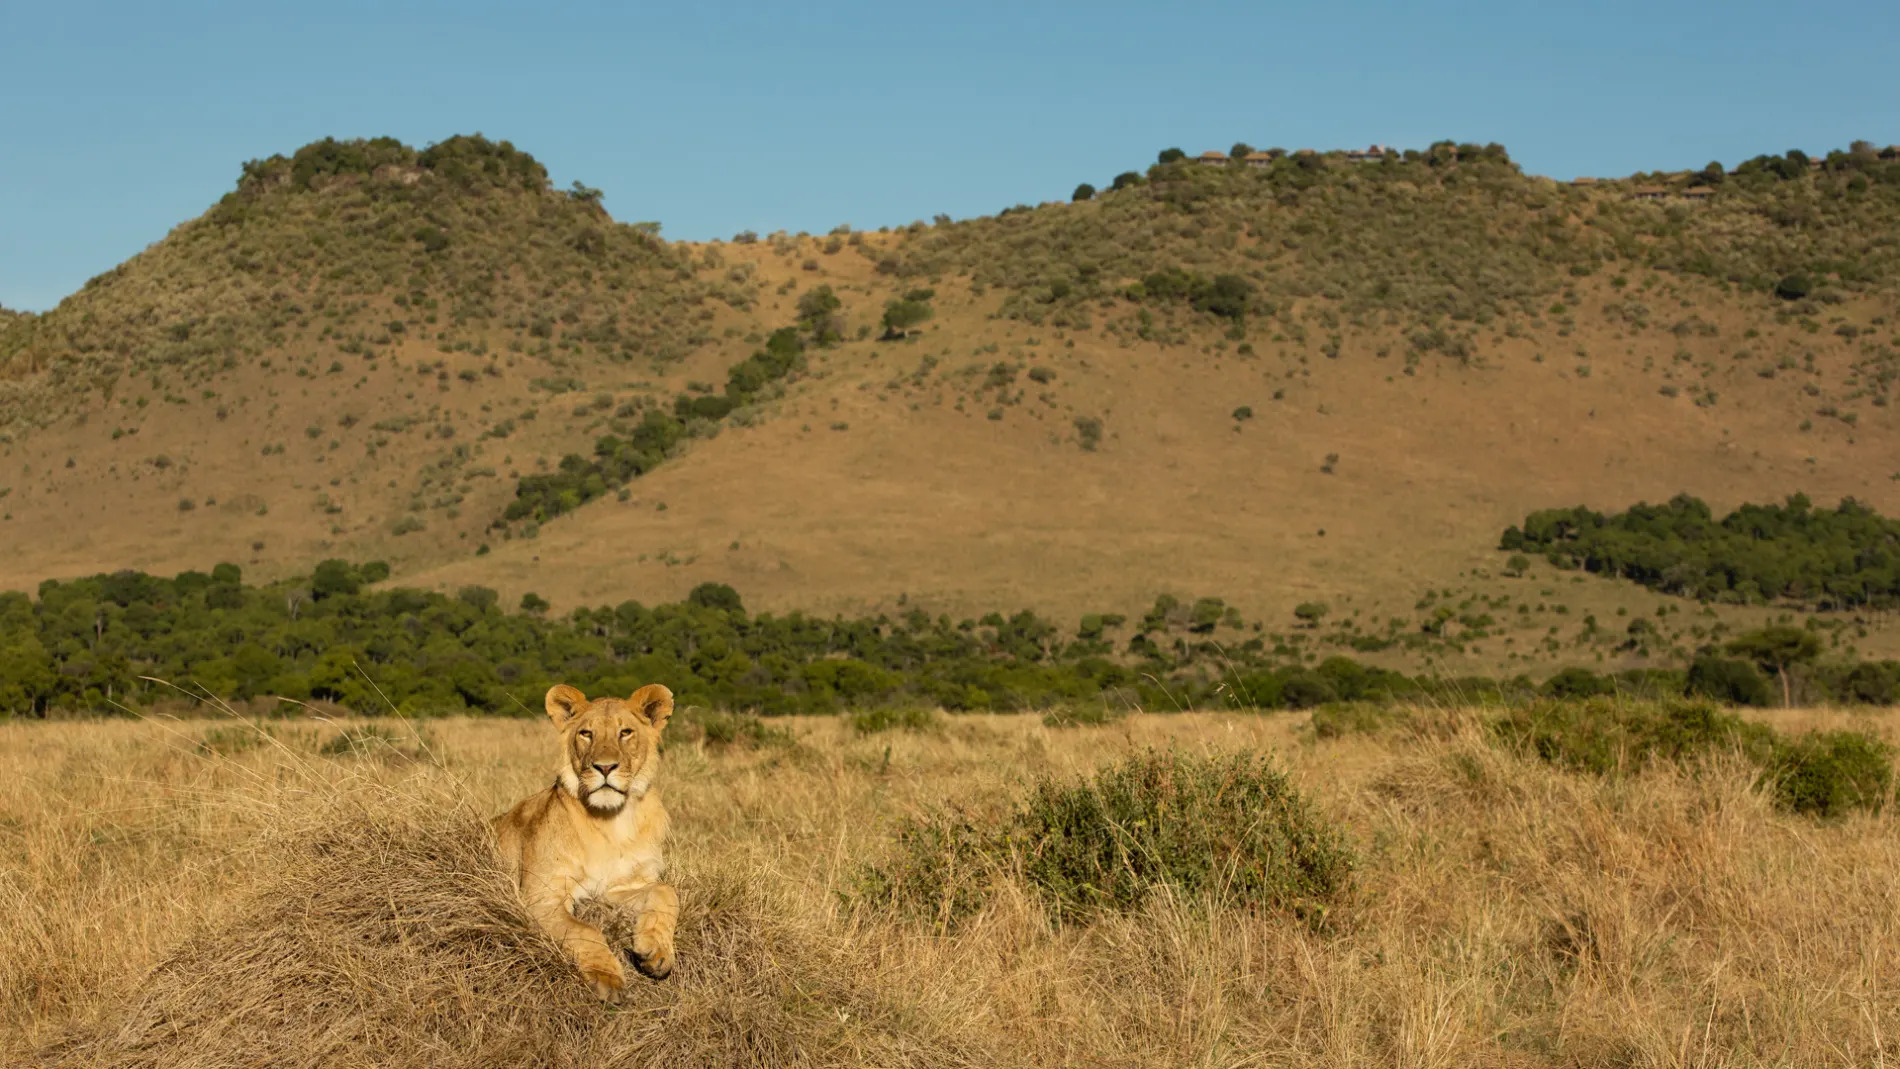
{"points": [[170, 907]]}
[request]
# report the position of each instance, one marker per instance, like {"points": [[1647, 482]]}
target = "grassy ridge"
{"points": [[352, 247], [1456, 232]]}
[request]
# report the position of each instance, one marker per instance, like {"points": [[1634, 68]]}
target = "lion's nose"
{"points": [[605, 769]]}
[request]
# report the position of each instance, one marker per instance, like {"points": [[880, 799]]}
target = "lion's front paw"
{"points": [[605, 975], [652, 956]]}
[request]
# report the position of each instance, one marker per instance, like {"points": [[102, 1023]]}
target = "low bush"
{"points": [[889, 718], [1228, 829], [1606, 736], [719, 730], [1340, 719], [1828, 774], [1726, 679]]}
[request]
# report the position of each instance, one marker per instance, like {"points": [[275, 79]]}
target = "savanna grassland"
{"points": [[195, 893]]}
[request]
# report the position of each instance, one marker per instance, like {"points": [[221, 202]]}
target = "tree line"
{"points": [[98, 644], [1846, 557]]}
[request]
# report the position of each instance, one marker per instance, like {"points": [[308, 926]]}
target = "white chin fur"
{"points": [[606, 798]]}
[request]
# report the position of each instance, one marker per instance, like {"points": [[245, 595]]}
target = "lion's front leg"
{"points": [[656, 910], [584, 944]]}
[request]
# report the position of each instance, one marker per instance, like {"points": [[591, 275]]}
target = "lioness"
{"points": [[597, 833]]}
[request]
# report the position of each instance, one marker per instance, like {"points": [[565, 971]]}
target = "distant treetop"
{"points": [[468, 160]]}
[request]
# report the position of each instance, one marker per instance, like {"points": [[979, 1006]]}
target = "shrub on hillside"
{"points": [[1226, 829], [1794, 287]]}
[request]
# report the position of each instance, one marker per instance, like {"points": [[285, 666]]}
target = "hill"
{"points": [[1316, 381]]}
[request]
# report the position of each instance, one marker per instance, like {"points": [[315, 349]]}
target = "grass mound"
{"points": [[1226, 828], [395, 940], [1825, 775]]}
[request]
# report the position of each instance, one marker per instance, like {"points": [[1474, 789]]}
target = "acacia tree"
{"points": [[818, 313], [1776, 649], [1083, 192], [901, 314]]}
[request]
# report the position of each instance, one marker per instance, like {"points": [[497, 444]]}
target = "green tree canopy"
{"points": [[1776, 649]]}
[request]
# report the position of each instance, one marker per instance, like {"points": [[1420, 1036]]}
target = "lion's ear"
{"points": [[655, 703], [563, 703]]}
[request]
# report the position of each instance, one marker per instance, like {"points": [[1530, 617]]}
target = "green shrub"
{"points": [[1578, 683], [1088, 431], [1725, 679], [1228, 829], [887, 718], [719, 730], [1794, 287], [1606, 736], [1304, 690], [1829, 773]]}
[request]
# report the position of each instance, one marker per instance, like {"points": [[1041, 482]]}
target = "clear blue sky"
{"points": [[120, 120]]}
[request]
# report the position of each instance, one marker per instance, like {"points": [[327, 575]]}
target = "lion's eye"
{"points": [[588, 735], [626, 733]]}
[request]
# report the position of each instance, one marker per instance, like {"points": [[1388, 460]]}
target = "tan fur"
{"points": [[598, 834]]}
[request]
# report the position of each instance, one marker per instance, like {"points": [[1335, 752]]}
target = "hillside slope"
{"points": [[1316, 381]]}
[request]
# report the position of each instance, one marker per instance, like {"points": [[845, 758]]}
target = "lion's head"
{"points": [[610, 747]]}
